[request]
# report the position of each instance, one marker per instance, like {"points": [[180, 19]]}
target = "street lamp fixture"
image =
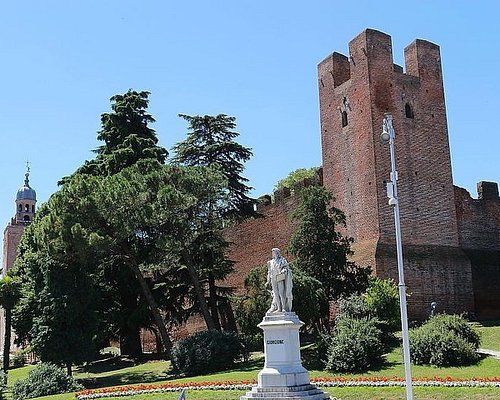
{"points": [[388, 135]]}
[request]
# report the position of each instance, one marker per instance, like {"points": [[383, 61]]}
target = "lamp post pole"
{"points": [[388, 135]]}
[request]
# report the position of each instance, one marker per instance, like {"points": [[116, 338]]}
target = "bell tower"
{"points": [[25, 201], [25, 212]]}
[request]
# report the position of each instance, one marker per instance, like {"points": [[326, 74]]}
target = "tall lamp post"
{"points": [[392, 193]]}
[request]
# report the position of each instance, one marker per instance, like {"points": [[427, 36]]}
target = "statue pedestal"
{"points": [[283, 376]]}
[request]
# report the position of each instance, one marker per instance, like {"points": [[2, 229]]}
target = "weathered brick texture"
{"points": [[11, 238], [450, 241], [252, 241], [479, 235]]}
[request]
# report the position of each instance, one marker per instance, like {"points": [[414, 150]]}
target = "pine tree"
{"points": [[211, 143], [126, 135], [320, 250]]}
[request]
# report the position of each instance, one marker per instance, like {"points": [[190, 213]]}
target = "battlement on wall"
{"points": [[372, 49], [279, 196]]}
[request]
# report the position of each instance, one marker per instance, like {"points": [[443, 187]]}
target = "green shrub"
{"points": [[309, 302], [250, 309], [353, 306], [382, 300], [206, 352], [456, 324], [444, 341], [46, 379], [355, 346], [18, 360]]}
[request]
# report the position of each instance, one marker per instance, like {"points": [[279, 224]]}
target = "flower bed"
{"points": [[130, 390]]}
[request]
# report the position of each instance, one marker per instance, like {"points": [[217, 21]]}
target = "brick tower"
{"points": [[355, 92], [25, 212]]}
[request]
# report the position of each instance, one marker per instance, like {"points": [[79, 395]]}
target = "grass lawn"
{"points": [[490, 334], [122, 372]]}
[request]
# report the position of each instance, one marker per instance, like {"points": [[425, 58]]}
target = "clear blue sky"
{"points": [[62, 60]]}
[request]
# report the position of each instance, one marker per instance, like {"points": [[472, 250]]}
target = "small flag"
{"points": [[182, 396]]}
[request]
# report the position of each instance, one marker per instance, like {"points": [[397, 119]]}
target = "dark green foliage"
{"points": [[57, 311], [353, 306], [382, 300], [322, 252], [299, 175], [128, 140], [10, 293], [356, 345], [444, 341], [211, 142], [46, 379], [251, 308], [126, 135], [206, 352], [457, 325], [309, 301], [18, 359]]}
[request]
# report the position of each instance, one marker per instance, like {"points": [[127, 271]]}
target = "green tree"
{"points": [[126, 135], [309, 301], [320, 250], [9, 296], [299, 175], [128, 139], [58, 311], [211, 143]]}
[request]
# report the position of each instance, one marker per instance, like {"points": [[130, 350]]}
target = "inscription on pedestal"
{"points": [[276, 341]]}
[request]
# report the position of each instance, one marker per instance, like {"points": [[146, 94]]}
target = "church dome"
{"points": [[25, 192]]}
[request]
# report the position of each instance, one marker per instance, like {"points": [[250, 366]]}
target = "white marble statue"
{"points": [[279, 276]]}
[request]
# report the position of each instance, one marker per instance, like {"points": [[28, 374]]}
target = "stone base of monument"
{"points": [[283, 376]]}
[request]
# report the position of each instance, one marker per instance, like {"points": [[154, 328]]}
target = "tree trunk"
{"points": [[212, 290], [130, 334], [69, 371], [200, 294], [130, 341], [6, 344], [153, 308]]}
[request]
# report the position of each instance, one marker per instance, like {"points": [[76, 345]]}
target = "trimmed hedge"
{"points": [[206, 352]]}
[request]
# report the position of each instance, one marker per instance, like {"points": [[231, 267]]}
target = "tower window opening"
{"points": [[33, 208], [20, 208], [344, 119], [409, 111], [26, 218], [27, 208]]}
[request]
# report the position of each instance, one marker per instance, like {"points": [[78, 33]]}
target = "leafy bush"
{"points": [[353, 306], [382, 300], [309, 302], [44, 380], [456, 324], [355, 346], [18, 360], [250, 309], [302, 174], [445, 340], [206, 352]]}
